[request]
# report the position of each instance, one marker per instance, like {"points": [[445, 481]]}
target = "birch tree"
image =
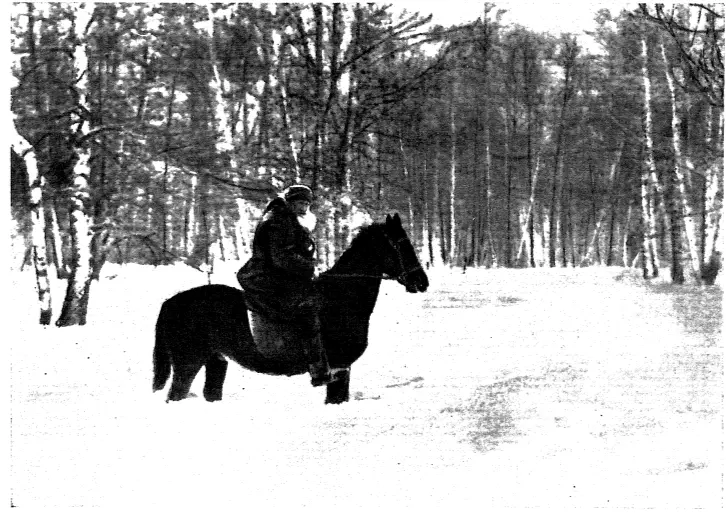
{"points": [[226, 143], [570, 50], [650, 251], [75, 304], [25, 151], [409, 186], [452, 185], [680, 181], [588, 257], [526, 225]]}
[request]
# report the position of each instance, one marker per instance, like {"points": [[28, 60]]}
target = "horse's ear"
{"points": [[397, 219], [388, 219]]}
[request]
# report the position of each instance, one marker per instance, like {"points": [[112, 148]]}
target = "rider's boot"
{"points": [[319, 368]]}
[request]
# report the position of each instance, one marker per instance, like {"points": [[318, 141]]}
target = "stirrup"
{"points": [[321, 380], [334, 374]]}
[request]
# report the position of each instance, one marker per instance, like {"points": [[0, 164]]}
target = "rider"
{"points": [[278, 279]]}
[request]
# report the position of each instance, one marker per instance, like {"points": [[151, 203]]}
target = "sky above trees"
{"points": [[552, 17]]}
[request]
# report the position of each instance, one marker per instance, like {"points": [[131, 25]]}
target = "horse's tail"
{"points": [[162, 353]]}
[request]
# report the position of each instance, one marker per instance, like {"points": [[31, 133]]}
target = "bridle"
{"points": [[396, 245]]}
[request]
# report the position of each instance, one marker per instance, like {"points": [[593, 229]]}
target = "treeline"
{"points": [[156, 132]]}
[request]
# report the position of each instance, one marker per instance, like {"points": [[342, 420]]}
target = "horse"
{"points": [[205, 325]]}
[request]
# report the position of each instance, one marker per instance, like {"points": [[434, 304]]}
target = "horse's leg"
{"points": [[216, 370], [338, 391], [182, 378]]}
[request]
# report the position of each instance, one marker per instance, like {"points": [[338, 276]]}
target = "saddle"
{"points": [[276, 339]]}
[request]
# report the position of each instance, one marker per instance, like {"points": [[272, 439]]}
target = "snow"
{"points": [[576, 389]]}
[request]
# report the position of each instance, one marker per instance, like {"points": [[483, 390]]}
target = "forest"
{"points": [[155, 133]]}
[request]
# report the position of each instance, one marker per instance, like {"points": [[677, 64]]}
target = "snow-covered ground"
{"points": [[529, 389]]}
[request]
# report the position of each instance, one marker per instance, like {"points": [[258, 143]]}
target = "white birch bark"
{"points": [[242, 231], [528, 213], [226, 144], [37, 223], [713, 203], [409, 186], [58, 244], [680, 171], [601, 216], [279, 58], [714, 209], [452, 196], [75, 304], [191, 228], [650, 253], [490, 196]]}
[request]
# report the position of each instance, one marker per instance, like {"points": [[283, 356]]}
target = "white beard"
{"points": [[308, 220]]}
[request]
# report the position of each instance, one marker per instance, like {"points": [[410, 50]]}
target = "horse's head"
{"points": [[400, 259]]}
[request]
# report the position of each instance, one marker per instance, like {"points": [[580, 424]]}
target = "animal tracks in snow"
{"points": [[413, 380]]}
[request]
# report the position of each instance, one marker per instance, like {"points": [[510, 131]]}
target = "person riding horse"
{"points": [[278, 279]]}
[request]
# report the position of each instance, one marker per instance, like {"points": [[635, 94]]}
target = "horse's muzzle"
{"points": [[415, 281]]}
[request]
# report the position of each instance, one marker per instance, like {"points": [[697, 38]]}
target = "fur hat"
{"points": [[296, 192]]}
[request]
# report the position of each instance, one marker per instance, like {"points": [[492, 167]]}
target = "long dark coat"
{"points": [[279, 275]]}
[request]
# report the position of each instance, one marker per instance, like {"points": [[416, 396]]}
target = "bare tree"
{"points": [[700, 45]]}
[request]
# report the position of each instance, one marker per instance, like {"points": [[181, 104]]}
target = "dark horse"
{"points": [[202, 326]]}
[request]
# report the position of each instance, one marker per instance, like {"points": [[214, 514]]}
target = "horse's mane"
{"points": [[364, 234]]}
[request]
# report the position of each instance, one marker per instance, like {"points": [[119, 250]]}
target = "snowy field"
{"points": [[535, 390]]}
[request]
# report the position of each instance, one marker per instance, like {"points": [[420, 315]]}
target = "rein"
{"points": [[382, 276]]}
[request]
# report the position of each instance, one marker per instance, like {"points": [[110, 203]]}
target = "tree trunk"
{"points": [[556, 207], [714, 209], [674, 213], [713, 203], [489, 196], [284, 108], [226, 144], [650, 251], [564, 205], [452, 187], [243, 231], [428, 216], [508, 176], [199, 223], [59, 257], [532, 183], [680, 182], [165, 205], [528, 227], [479, 195], [409, 187], [611, 236], [439, 204], [75, 304], [571, 229], [626, 233], [587, 259], [37, 223]]}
